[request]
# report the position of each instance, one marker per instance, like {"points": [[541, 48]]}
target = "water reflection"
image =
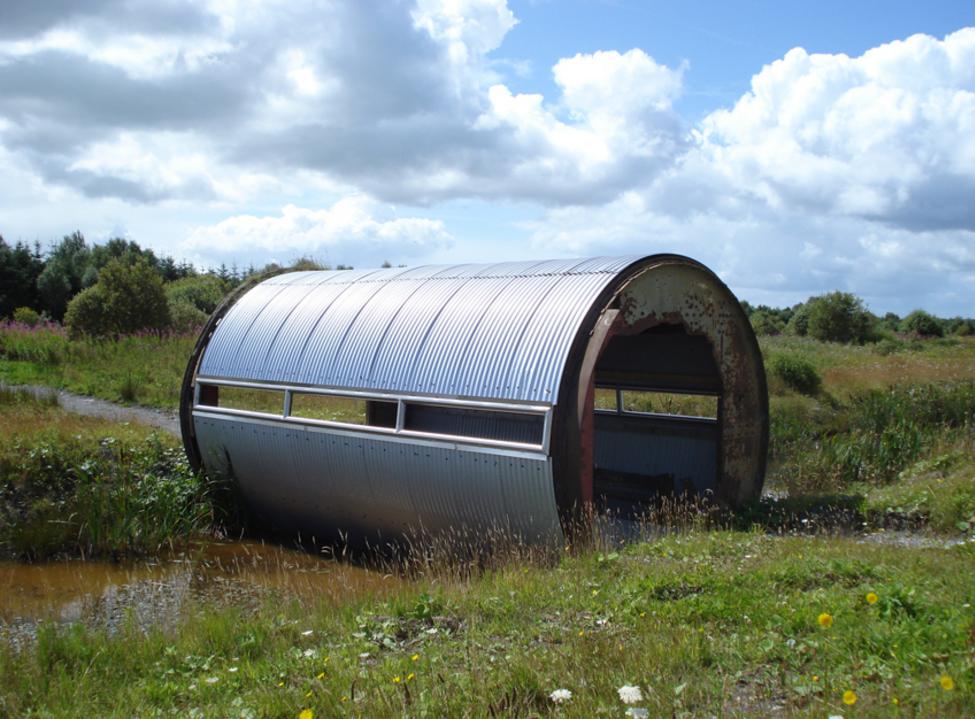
{"points": [[160, 591]]}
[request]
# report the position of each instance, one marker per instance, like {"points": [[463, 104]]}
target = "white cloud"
{"points": [[354, 229], [887, 136]]}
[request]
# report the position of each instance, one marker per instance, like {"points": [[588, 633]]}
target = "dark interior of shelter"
{"points": [[657, 419]]}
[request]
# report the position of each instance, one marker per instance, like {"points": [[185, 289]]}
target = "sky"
{"points": [[794, 148]]}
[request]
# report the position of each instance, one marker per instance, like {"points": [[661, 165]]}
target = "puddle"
{"points": [[160, 591]]}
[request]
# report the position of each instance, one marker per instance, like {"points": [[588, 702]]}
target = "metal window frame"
{"points": [[619, 389], [401, 400]]}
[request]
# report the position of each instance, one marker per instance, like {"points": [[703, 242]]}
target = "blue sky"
{"points": [[795, 148]]}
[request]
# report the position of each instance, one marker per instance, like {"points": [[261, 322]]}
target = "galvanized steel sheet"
{"points": [[489, 331]]}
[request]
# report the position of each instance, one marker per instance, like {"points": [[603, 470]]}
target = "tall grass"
{"points": [[870, 438], [78, 486], [144, 368]]}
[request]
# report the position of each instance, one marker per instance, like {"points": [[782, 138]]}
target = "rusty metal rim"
{"points": [[566, 441]]}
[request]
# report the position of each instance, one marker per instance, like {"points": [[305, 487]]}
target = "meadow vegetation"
{"points": [[695, 623], [72, 485]]}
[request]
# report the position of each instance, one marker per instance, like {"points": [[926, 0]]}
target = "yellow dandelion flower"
{"points": [[397, 679], [280, 684], [345, 699], [306, 714], [946, 682], [825, 620], [582, 632], [321, 675], [410, 677], [307, 694], [872, 597], [415, 658], [815, 677], [849, 697], [895, 701]]}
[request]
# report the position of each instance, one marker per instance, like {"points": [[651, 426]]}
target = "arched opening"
{"points": [[656, 418]]}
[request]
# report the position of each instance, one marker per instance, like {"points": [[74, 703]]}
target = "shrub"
{"points": [[839, 317], [184, 317], [797, 373], [203, 292], [27, 316], [125, 300], [799, 323], [765, 324], [86, 316], [922, 323]]}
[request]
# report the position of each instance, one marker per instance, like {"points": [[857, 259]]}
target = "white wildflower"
{"points": [[630, 694], [309, 653], [637, 713], [212, 680], [308, 632], [560, 695]]}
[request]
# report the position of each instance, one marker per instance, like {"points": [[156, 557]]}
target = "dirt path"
{"points": [[103, 409]]}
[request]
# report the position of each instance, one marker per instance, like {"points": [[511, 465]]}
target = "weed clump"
{"points": [[796, 372]]}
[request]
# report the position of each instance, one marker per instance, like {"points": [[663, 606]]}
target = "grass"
{"points": [[143, 369], [81, 486], [705, 623]]}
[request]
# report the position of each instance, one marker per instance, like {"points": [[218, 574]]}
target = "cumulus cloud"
{"points": [[405, 103], [354, 229], [887, 136]]}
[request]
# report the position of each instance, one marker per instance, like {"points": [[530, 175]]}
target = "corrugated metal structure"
{"points": [[468, 394]]}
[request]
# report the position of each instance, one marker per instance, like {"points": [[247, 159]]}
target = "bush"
{"points": [[765, 324], [922, 323], [86, 316], [125, 300], [797, 373], [27, 316], [203, 292], [799, 323], [184, 317], [839, 317]]}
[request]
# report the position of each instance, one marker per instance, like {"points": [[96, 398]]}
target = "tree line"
{"points": [[843, 317], [115, 288]]}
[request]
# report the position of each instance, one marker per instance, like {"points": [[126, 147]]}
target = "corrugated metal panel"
{"points": [[321, 481], [499, 331], [645, 446]]}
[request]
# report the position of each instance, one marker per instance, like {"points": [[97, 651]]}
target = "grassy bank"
{"points": [[81, 486], [143, 369], [705, 624]]}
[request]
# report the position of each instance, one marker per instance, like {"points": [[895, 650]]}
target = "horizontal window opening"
{"points": [[268, 401], [349, 410], [480, 423], [605, 399], [673, 403]]}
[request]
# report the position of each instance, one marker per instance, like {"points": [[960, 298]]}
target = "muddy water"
{"points": [[161, 591]]}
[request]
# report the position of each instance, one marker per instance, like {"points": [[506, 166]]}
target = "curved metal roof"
{"points": [[494, 331]]}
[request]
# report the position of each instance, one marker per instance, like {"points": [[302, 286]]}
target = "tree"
{"points": [[799, 322], [839, 317], [19, 270], [62, 277], [203, 292], [765, 323], [125, 299], [922, 323]]}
